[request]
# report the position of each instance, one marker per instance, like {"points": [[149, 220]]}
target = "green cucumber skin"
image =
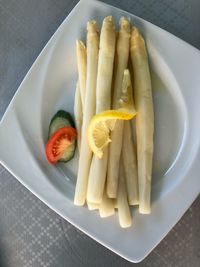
{"points": [[62, 116], [59, 120], [65, 115]]}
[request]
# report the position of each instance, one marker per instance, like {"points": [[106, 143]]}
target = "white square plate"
{"points": [[50, 85]]}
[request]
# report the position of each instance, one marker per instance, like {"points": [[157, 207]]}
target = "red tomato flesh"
{"points": [[59, 142]]}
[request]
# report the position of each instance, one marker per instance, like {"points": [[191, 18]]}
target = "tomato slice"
{"points": [[59, 142]]}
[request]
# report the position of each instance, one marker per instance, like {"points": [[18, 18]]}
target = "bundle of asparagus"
{"points": [[118, 179]]}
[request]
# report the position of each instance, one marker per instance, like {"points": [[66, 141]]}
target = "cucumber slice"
{"points": [[59, 120]]}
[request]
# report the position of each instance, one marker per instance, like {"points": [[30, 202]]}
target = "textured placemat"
{"points": [[30, 233]]}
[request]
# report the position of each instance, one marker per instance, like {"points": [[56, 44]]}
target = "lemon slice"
{"points": [[103, 123], [100, 127], [126, 102]]}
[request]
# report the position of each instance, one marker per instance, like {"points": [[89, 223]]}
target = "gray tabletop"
{"points": [[30, 233]]}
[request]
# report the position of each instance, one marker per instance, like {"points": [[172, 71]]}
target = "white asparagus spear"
{"points": [[92, 206], [97, 178], [103, 102], [122, 54], [124, 213], [130, 165], [132, 122], [89, 111], [106, 207], [144, 118], [82, 68], [78, 113], [121, 62]]}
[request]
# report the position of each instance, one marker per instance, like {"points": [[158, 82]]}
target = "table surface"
{"points": [[30, 233]]}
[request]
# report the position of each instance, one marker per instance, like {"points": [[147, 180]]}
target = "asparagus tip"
{"points": [[136, 37], [135, 32], [109, 20], [125, 24], [92, 25], [80, 44]]}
